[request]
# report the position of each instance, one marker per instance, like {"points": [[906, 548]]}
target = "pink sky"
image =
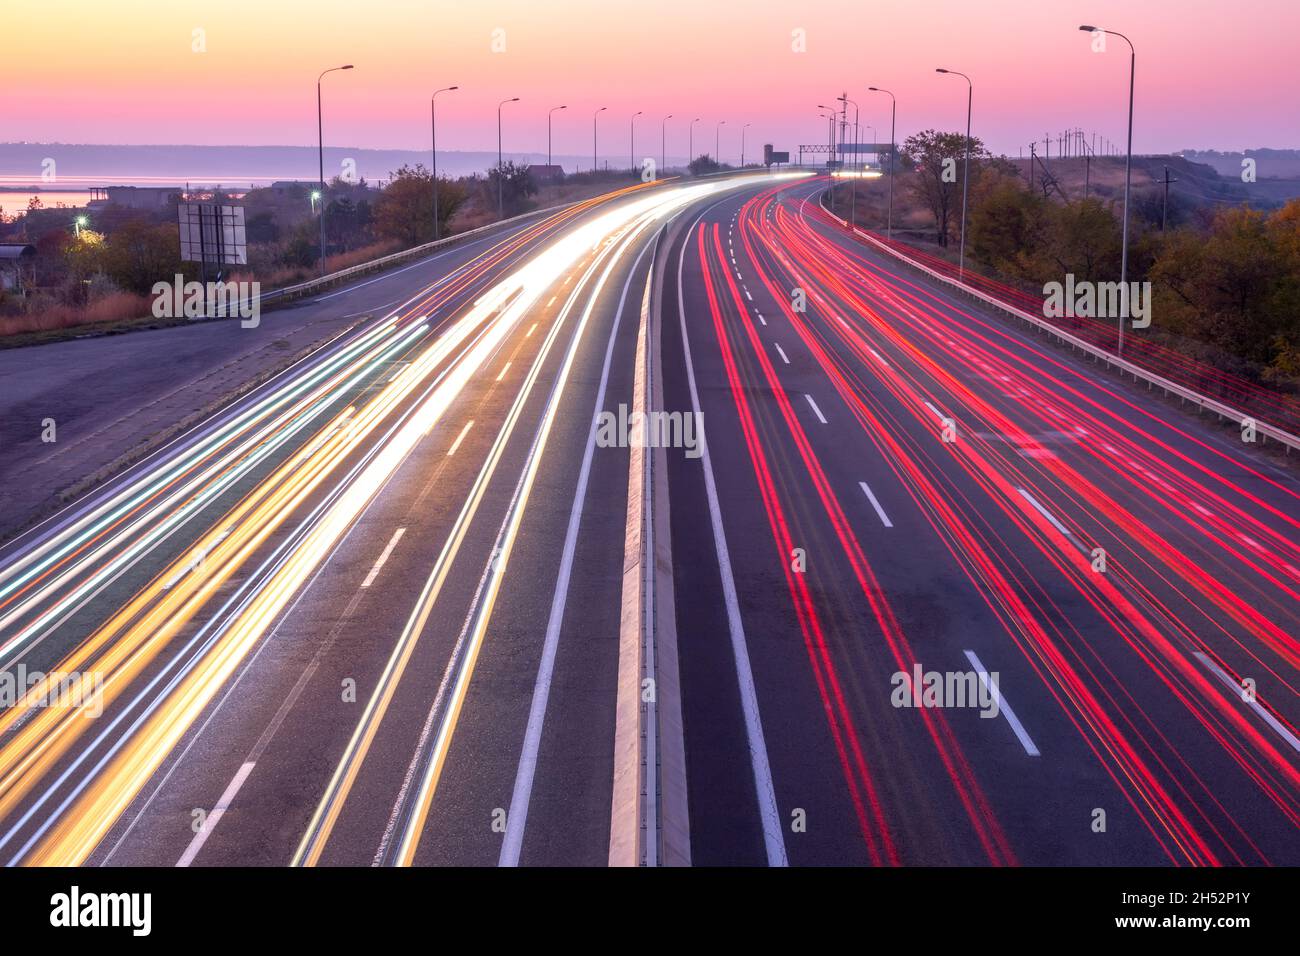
{"points": [[1210, 74]]}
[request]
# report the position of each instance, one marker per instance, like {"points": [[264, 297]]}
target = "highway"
{"points": [[376, 611]]}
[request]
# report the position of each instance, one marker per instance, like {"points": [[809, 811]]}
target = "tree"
{"points": [[1008, 227], [703, 164], [140, 254], [938, 159], [516, 185], [84, 254], [1084, 238], [347, 222], [1232, 285], [404, 210]]}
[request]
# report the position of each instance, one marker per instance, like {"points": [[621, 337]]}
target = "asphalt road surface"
{"points": [[376, 611]]}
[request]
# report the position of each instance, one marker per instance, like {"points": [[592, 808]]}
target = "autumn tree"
{"points": [[1232, 286], [84, 254], [140, 254], [938, 159], [703, 164], [515, 184], [404, 210], [1008, 227], [1083, 238]]}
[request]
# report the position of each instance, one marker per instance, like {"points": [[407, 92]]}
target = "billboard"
{"points": [[771, 156], [213, 233]]}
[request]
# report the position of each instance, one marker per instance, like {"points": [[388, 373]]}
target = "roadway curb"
{"points": [[649, 821], [79, 489]]}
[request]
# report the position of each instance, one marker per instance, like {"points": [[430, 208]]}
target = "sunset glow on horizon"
{"points": [[128, 73]]}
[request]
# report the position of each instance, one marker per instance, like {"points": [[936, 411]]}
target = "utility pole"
{"points": [[1164, 215]]}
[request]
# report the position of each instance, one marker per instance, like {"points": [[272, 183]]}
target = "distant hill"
{"points": [[1198, 181], [1269, 163], [21, 164]]}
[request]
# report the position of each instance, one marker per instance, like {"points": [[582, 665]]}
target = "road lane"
{"points": [[888, 347]]}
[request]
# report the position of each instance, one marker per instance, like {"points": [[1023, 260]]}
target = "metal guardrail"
{"points": [[1288, 440], [417, 252], [383, 262]]}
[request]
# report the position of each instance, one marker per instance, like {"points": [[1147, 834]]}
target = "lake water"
{"points": [[14, 203]]}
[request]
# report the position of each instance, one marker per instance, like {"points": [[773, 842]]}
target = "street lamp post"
{"points": [[548, 131], [717, 141], [594, 164], [965, 175], [320, 132], [829, 115], [853, 181], [501, 194], [742, 143], [631, 146], [1128, 171], [663, 142], [893, 109], [690, 143], [433, 123]]}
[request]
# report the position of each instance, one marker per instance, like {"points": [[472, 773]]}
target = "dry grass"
{"points": [[292, 275], [114, 307]]}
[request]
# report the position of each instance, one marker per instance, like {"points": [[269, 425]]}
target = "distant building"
{"points": [[544, 175], [292, 188], [153, 198], [14, 256]]}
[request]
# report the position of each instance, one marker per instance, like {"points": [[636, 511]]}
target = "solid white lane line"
{"points": [[194, 561], [769, 813], [502, 374], [1254, 705], [215, 816], [460, 438], [884, 518], [781, 352], [392, 543], [1003, 706], [1045, 513], [521, 795], [816, 411]]}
